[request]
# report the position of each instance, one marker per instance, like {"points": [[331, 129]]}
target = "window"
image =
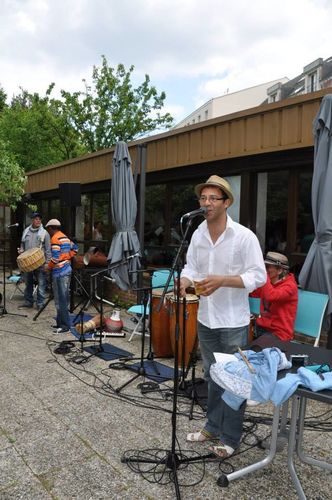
{"points": [[83, 219], [154, 225], [272, 207], [313, 82], [305, 225]]}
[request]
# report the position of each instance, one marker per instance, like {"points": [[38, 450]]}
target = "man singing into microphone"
{"points": [[35, 236], [229, 256]]}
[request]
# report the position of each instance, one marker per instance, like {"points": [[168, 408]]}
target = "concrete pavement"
{"points": [[64, 429]]}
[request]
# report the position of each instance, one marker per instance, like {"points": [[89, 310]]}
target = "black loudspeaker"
{"points": [[70, 194]]}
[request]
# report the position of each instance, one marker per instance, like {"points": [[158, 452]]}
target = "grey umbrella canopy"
{"points": [[316, 273], [123, 256]]}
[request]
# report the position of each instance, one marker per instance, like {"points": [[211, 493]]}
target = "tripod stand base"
{"points": [[3, 312], [153, 370], [197, 390], [166, 466], [108, 352]]}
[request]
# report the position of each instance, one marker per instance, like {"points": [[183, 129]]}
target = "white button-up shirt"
{"points": [[236, 253]]}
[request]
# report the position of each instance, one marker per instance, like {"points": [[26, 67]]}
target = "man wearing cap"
{"points": [[62, 249], [35, 236], [229, 256], [279, 297]]}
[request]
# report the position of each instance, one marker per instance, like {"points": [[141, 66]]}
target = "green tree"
{"points": [[3, 97], [12, 178], [37, 131], [112, 109], [42, 131]]}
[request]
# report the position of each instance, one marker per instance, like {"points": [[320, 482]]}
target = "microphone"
{"points": [[199, 211], [13, 225]]}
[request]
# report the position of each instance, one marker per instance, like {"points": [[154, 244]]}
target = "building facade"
{"points": [[266, 153], [231, 103]]}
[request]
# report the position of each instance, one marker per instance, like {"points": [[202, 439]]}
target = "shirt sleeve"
{"points": [[47, 246], [255, 273], [278, 293]]}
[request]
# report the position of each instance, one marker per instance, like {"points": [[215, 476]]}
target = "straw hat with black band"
{"points": [[218, 182]]}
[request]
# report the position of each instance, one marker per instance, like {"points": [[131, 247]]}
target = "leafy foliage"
{"points": [[42, 131], [3, 97], [12, 178], [37, 131], [112, 109]]}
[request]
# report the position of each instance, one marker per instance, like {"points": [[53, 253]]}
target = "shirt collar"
{"points": [[230, 225]]}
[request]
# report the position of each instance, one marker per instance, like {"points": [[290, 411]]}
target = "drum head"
{"points": [[157, 292], [189, 298]]}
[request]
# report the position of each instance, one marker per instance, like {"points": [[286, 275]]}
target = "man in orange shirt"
{"points": [[62, 250]]}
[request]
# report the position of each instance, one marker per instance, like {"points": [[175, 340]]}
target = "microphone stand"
{"points": [[173, 458]]}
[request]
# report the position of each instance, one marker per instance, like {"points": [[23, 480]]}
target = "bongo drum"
{"points": [[90, 325], [190, 341], [161, 341], [30, 260]]}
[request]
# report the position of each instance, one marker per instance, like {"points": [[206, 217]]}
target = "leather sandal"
{"points": [[221, 450], [200, 436]]}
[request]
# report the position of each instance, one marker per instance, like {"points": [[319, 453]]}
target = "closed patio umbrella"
{"points": [[316, 273], [124, 254]]}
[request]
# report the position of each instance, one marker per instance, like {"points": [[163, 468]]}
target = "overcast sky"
{"points": [[192, 49]]}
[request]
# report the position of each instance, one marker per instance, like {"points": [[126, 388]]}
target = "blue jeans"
{"points": [[61, 299], [222, 421], [39, 276]]}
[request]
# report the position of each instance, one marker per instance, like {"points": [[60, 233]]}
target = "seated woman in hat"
{"points": [[279, 298]]}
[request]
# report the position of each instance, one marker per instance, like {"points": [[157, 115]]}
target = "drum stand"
{"points": [[3, 310], [189, 388], [173, 459], [97, 348]]}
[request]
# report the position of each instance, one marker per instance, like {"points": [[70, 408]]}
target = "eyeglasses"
{"points": [[212, 199]]}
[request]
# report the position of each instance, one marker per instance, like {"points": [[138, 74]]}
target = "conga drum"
{"points": [[187, 318], [159, 325], [30, 260]]}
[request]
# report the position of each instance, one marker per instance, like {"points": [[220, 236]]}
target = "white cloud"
{"points": [[192, 49]]}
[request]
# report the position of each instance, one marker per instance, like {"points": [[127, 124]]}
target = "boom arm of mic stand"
{"points": [[174, 265]]}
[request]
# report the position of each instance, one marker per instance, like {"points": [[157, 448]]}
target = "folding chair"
{"points": [[254, 304], [159, 279], [310, 314], [18, 281]]}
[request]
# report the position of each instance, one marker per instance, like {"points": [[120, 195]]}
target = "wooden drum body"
{"points": [[30, 260], [161, 341], [190, 342]]}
